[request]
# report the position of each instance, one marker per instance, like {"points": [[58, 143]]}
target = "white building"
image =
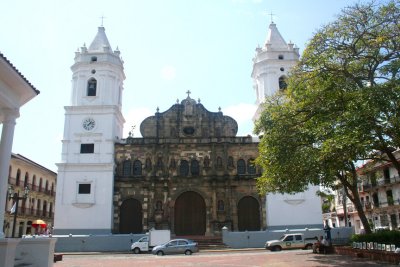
{"points": [[93, 122], [271, 66]]}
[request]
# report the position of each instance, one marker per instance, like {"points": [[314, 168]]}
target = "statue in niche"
{"points": [[160, 163], [206, 162], [159, 205], [158, 212], [230, 163], [148, 164], [172, 164], [188, 109], [221, 205], [219, 162]]}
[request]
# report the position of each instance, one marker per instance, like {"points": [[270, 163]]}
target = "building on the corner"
{"points": [[379, 191], [39, 205]]}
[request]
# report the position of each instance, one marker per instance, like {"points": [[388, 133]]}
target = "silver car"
{"points": [[176, 246]]}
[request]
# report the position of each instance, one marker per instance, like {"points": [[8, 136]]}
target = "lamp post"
{"points": [[15, 196]]}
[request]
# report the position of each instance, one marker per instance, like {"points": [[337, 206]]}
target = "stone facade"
{"points": [[189, 173]]}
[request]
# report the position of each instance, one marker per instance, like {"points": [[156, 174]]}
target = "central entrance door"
{"points": [[190, 214]]}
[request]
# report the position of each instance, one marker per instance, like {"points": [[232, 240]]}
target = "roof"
{"points": [[5, 59], [100, 42], [189, 119], [275, 39], [25, 159]]}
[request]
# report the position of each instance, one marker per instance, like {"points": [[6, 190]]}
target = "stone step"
{"points": [[207, 242]]}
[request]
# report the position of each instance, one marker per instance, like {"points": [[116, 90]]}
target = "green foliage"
{"points": [[341, 105], [326, 207], [383, 237]]}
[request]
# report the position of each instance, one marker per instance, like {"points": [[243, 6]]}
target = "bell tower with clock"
{"points": [[93, 122]]}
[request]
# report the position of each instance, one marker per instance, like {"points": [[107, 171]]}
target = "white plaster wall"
{"points": [[81, 211], [299, 209]]}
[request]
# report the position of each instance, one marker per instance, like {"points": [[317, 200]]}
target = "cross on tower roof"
{"points": [[102, 20], [188, 93], [272, 19]]}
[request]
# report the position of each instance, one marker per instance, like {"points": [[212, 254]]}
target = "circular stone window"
{"points": [[188, 130]]}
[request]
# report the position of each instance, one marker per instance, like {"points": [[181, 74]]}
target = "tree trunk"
{"points": [[352, 193]]}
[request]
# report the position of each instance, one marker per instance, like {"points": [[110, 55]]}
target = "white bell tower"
{"points": [[93, 122], [271, 65]]}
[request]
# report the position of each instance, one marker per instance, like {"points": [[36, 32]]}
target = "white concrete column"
{"points": [[7, 136], [8, 248], [35, 252]]}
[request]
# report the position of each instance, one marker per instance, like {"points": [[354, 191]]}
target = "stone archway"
{"points": [[130, 217], [248, 214], [190, 214]]}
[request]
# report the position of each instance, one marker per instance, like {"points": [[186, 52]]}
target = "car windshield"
{"points": [[282, 237]]}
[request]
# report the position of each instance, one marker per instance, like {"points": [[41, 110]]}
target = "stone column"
{"points": [[7, 136]]}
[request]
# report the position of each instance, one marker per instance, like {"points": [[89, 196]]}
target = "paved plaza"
{"points": [[237, 258]]}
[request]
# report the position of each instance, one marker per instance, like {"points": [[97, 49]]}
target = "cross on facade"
{"points": [[188, 93]]}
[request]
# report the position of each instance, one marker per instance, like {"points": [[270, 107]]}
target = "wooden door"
{"points": [[248, 214], [130, 219], [190, 214]]}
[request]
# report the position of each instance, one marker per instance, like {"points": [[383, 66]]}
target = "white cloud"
{"points": [[243, 114], [134, 117], [168, 72]]}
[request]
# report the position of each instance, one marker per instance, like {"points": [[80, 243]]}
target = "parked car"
{"points": [[176, 246], [290, 241], [149, 241]]}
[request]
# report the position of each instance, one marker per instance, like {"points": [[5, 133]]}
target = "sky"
{"points": [[168, 46]]}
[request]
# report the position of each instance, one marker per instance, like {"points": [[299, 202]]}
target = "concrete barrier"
{"points": [[95, 243], [257, 239]]}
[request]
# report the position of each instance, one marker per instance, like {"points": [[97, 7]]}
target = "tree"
{"points": [[341, 106]]}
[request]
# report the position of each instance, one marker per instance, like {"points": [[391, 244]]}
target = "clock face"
{"points": [[88, 124]]}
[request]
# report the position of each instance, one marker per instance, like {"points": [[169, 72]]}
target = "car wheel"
{"points": [[308, 246], [277, 248], [160, 253], [136, 250], [188, 252]]}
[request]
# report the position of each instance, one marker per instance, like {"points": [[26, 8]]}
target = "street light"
{"points": [[15, 196]]}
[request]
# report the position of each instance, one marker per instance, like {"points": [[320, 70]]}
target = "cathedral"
{"points": [[189, 172]]}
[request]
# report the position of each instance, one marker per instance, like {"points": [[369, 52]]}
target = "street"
{"points": [[237, 258]]}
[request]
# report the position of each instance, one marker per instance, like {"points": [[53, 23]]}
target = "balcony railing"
{"points": [[32, 187], [380, 182], [35, 212], [380, 204]]}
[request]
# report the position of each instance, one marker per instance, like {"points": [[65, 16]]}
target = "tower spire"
{"points": [[100, 42]]}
